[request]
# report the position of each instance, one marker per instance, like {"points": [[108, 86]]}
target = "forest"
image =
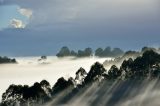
{"points": [[145, 67]]}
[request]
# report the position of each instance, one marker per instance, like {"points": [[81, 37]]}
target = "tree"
{"points": [[22, 95], [114, 72], [99, 52], [127, 64], [95, 73], [4, 60], [61, 85], [73, 53], [80, 75], [63, 52], [139, 68], [45, 85], [80, 53], [85, 53], [88, 52], [43, 57], [12, 95], [107, 52], [144, 49], [117, 52], [155, 71]]}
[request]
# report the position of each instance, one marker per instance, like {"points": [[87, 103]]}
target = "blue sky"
{"points": [[37, 27], [8, 12]]}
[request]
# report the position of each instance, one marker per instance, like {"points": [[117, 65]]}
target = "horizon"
{"points": [[76, 50]]}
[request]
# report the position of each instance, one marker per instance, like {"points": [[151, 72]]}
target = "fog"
{"points": [[30, 70], [108, 93], [119, 93]]}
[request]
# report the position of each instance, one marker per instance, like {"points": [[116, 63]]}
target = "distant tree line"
{"points": [[145, 66], [100, 52], [4, 60], [65, 51], [129, 54]]}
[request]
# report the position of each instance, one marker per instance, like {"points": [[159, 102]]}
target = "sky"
{"points": [[42, 27]]}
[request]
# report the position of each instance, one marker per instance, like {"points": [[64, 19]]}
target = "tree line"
{"points": [[5, 59], [143, 67], [100, 52]]}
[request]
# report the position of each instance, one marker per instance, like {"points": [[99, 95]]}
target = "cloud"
{"points": [[94, 16], [26, 12], [122, 23], [88, 12], [15, 23]]}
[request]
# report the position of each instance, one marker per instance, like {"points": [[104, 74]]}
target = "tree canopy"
{"points": [[145, 66], [4, 60], [65, 51]]}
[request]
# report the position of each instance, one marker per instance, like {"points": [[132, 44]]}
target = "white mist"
{"points": [[30, 70]]}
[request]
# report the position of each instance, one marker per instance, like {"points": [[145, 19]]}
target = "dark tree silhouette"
{"points": [[99, 52], [63, 52], [43, 57], [73, 53], [88, 52], [145, 66], [4, 60], [15, 95], [144, 49], [85, 53], [114, 72], [80, 75], [61, 85], [154, 72], [108, 52], [95, 73], [81, 53], [117, 52], [141, 65]]}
